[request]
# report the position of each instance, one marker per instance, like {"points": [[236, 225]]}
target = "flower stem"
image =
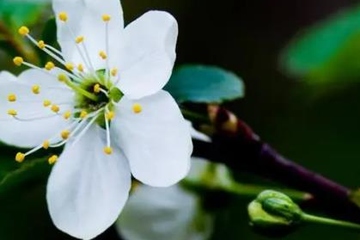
{"points": [[328, 221], [243, 190]]}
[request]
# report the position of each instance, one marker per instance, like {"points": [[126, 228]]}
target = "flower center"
{"points": [[95, 91]]}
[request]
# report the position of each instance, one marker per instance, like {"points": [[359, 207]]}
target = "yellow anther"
{"points": [[46, 144], [11, 97], [137, 108], [20, 157], [80, 67], [79, 39], [110, 115], [69, 66], [97, 88], [106, 17], [41, 44], [108, 150], [49, 66], [18, 61], [12, 112], [62, 77], [55, 108], [35, 89], [65, 134], [67, 115], [83, 114], [46, 103], [53, 159], [102, 54], [114, 72], [23, 31], [63, 16]]}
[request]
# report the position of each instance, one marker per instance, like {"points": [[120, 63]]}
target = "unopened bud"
{"points": [[274, 213]]}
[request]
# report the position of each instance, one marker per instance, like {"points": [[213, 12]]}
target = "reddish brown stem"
{"points": [[236, 145]]}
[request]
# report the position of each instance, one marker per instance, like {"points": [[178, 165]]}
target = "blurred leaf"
{"points": [[32, 172], [198, 83], [49, 36], [16, 13], [355, 197], [49, 32], [327, 51]]}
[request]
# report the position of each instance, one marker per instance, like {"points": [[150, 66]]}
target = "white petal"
{"points": [[196, 134], [156, 141], [88, 189], [30, 106], [166, 213], [201, 167], [147, 54], [85, 19]]}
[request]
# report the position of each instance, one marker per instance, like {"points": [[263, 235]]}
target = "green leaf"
{"points": [[17, 13], [354, 196], [327, 51], [204, 84], [32, 172]]}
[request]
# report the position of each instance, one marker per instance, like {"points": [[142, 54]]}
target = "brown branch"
{"points": [[236, 145]]}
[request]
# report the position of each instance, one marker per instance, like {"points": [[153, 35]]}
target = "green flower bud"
{"points": [[274, 213]]}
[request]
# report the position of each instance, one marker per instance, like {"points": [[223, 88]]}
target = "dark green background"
{"points": [[320, 131]]}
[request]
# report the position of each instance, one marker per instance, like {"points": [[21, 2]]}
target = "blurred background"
{"points": [[305, 106]]}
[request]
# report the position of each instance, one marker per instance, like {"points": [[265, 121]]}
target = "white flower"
{"points": [[171, 213], [107, 108]]}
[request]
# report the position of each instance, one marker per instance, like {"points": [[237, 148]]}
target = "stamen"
{"points": [[65, 134], [41, 44], [11, 97], [83, 114], [80, 68], [108, 150], [46, 103], [35, 89], [110, 115], [63, 16], [97, 88], [114, 72], [79, 39], [85, 58], [18, 61], [106, 17], [103, 55], [62, 77], [46, 144], [57, 58], [94, 117], [51, 48], [30, 119], [53, 159], [137, 108], [20, 157], [104, 92], [67, 115], [69, 66], [23, 30], [49, 66], [12, 112], [55, 108]]}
